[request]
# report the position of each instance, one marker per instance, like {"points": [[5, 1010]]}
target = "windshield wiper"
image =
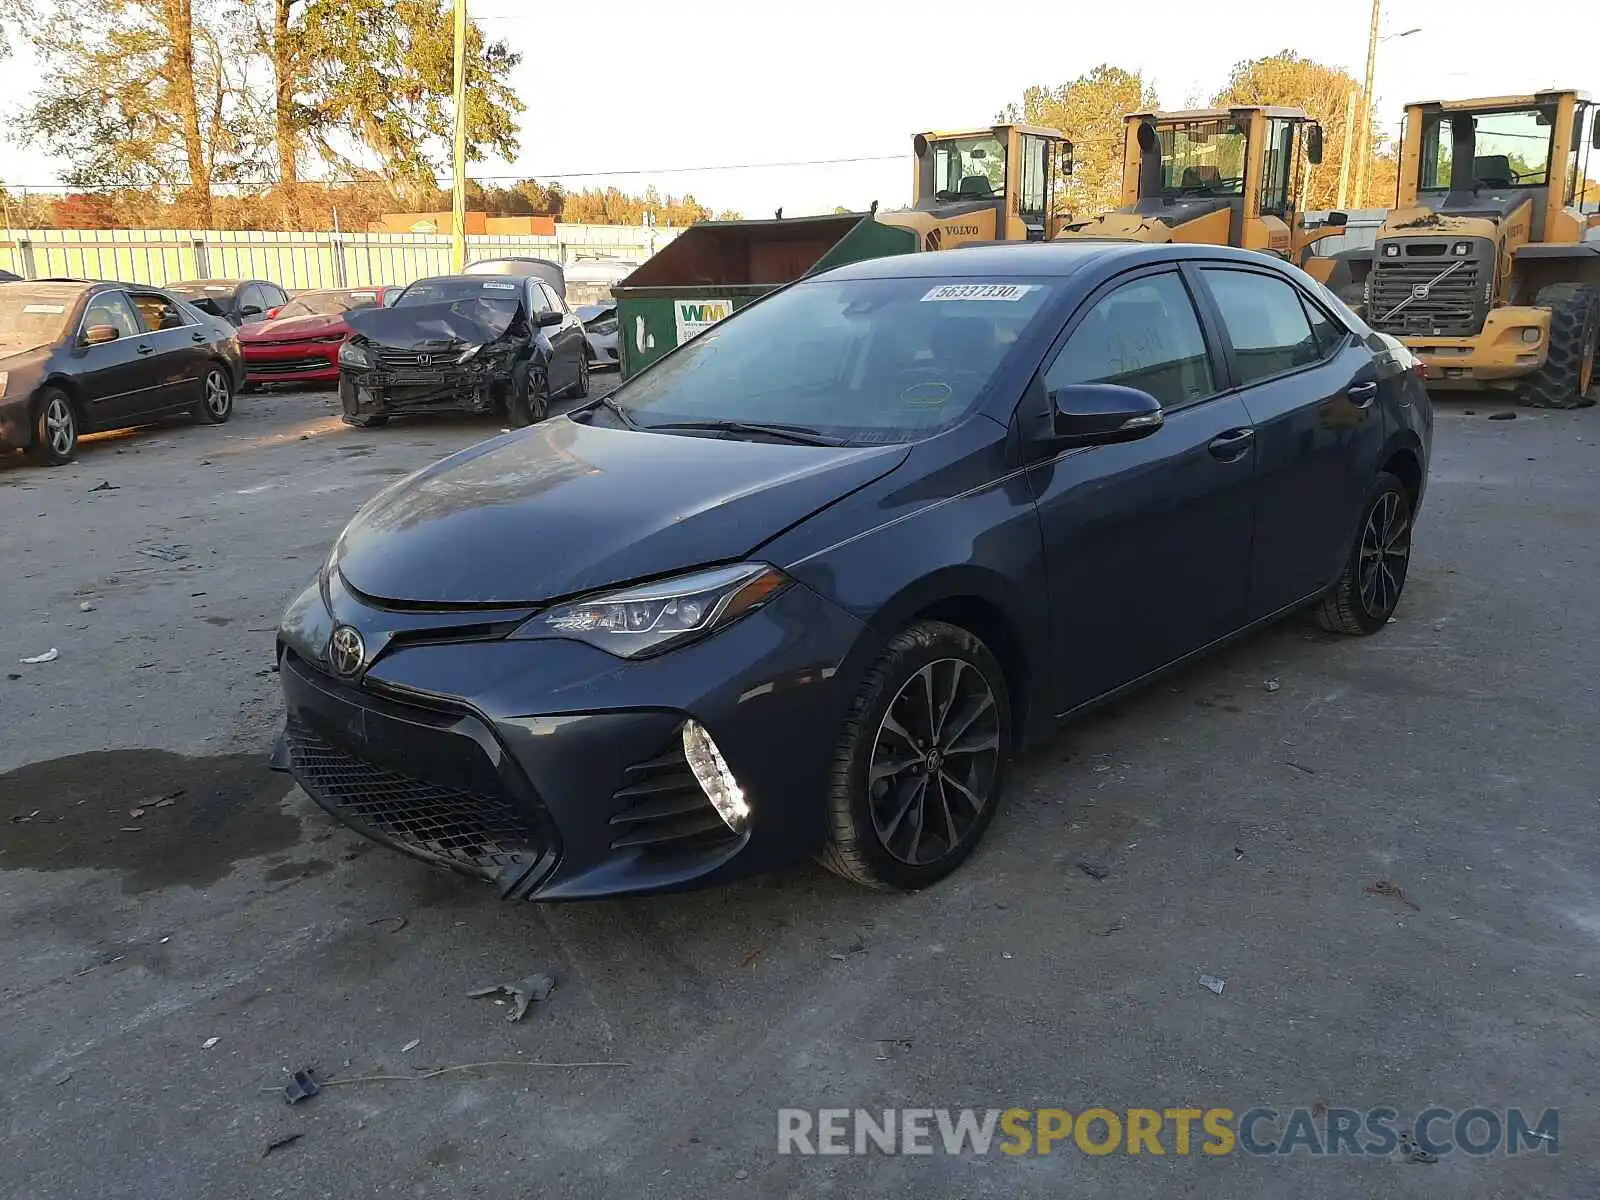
{"points": [[614, 408], [803, 434]]}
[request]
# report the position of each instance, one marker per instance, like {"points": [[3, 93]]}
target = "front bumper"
{"points": [[291, 362], [16, 430], [555, 770], [603, 351], [1498, 356], [371, 391]]}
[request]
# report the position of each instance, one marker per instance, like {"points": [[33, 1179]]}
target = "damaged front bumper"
{"points": [[374, 391]]}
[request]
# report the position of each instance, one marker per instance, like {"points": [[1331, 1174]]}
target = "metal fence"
{"points": [[295, 260]]}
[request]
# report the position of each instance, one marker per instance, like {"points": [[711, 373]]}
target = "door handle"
{"points": [[1362, 394], [141, 349], [197, 337], [1232, 445]]}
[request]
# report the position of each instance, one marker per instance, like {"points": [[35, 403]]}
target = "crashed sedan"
{"points": [[463, 343], [804, 585]]}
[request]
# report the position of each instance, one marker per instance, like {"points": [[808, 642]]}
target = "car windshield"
{"points": [[446, 288], [969, 168], [1509, 149], [1202, 158], [32, 315], [327, 304], [861, 360]]}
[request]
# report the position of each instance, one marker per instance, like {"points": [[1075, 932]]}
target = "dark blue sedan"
{"points": [[804, 586]]}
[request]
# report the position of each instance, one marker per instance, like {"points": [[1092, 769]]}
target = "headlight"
{"points": [[1391, 249], [352, 355], [468, 353], [608, 326], [637, 621], [1461, 249]]}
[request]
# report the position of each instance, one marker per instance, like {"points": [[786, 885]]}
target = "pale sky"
{"points": [[626, 86]]}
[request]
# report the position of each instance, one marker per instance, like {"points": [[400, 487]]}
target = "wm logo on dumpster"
{"points": [[696, 316]]}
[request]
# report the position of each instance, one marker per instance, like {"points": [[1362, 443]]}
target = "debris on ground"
{"points": [[887, 1044], [1384, 888], [1508, 415], [1092, 871], [1272, 685], [169, 554], [136, 813], [1107, 931], [410, 1046], [1415, 1153], [280, 1143], [104, 486], [524, 993], [1238, 853], [750, 957], [49, 655], [399, 922], [209, 1042], [12, 675], [1298, 767], [857, 946], [1212, 983], [303, 1086], [86, 606]]}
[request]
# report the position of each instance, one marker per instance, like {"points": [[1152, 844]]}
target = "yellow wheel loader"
{"points": [[1482, 267], [984, 185], [1218, 176]]}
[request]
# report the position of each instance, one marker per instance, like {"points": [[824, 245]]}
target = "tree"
{"points": [[1090, 111], [1287, 79]]}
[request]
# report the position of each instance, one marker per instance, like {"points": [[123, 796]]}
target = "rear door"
{"points": [[1309, 387], [114, 376], [1147, 544], [540, 301], [178, 362], [574, 345]]}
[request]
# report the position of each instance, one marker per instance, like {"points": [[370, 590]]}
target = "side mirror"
{"points": [[547, 319], [99, 335], [1338, 219], [1314, 143], [1066, 158], [250, 310], [1103, 414]]}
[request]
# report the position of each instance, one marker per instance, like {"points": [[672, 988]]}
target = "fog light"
{"points": [[716, 781], [1531, 335]]}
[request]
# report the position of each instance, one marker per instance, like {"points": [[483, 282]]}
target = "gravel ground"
{"points": [[183, 929]]}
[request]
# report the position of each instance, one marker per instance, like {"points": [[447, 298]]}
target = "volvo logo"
{"points": [[1419, 291], [347, 653], [424, 360]]}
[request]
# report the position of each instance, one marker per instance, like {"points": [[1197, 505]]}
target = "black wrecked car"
{"points": [[464, 343], [804, 585]]}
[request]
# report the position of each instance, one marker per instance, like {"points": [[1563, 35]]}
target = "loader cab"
{"points": [[979, 185]]}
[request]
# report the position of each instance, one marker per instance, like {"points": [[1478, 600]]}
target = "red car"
{"points": [[299, 341]]}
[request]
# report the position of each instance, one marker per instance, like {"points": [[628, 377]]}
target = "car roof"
{"points": [[1030, 258], [63, 288], [232, 284]]}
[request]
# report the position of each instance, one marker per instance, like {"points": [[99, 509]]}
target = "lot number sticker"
{"points": [[694, 317], [978, 291]]}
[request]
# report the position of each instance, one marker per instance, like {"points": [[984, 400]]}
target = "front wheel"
{"points": [[919, 771], [529, 400], [1368, 590], [55, 429], [216, 398], [1568, 371]]}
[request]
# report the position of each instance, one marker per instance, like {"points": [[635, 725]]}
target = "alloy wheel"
{"points": [[61, 427], [934, 762], [1385, 553], [218, 398]]}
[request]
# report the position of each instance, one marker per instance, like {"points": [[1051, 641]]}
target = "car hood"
{"points": [[564, 508], [451, 322], [18, 358], [286, 328]]}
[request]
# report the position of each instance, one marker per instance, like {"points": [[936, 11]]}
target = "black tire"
{"points": [[867, 842], [365, 420], [216, 396], [580, 389], [529, 398], [1568, 371], [1369, 587], [55, 428]]}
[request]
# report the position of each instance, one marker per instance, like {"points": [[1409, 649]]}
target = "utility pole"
{"points": [[458, 190], [1349, 149], [1364, 122]]}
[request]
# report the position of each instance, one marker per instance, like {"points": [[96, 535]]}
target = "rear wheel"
{"points": [[216, 399], [918, 774], [1369, 589], [55, 429], [580, 389], [1569, 368]]}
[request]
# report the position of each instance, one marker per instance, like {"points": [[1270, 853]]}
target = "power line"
{"points": [[554, 176]]}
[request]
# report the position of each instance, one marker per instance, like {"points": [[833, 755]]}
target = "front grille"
{"points": [[287, 366], [662, 807], [482, 833], [1453, 307], [411, 360]]}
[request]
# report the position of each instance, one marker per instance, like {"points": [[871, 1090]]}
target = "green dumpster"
{"points": [[717, 267]]}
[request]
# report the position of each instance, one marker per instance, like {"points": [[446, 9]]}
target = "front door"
{"points": [[1309, 387], [115, 376], [1147, 544]]}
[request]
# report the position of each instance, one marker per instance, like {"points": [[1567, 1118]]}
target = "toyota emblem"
{"points": [[424, 360], [346, 651]]}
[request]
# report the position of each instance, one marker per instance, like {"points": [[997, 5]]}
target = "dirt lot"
{"points": [[182, 929]]}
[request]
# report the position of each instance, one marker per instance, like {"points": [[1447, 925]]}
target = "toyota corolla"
{"points": [[801, 588]]}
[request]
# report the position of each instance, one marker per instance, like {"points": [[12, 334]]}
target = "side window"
{"points": [[1265, 322], [538, 298], [276, 295], [158, 312], [112, 308], [252, 296], [1277, 164], [554, 301], [1035, 168], [1145, 335], [1329, 333]]}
